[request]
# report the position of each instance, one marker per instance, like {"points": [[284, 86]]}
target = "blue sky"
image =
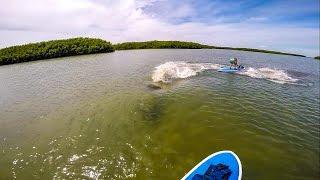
{"points": [[283, 25], [276, 12]]}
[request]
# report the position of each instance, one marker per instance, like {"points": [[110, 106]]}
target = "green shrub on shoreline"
{"points": [[53, 49], [258, 50], [159, 45], [80, 46], [318, 57], [186, 45]]}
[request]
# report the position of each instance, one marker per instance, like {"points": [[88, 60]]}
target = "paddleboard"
{"points": [[228, 161], [229, 69]]}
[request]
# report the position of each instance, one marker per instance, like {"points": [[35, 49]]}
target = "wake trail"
{"points": [[170, 71]]}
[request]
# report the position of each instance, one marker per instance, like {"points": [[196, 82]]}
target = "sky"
{"points": [[282, 25]]}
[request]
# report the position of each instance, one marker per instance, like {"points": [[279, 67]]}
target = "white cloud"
{"points": [[125, 20]]}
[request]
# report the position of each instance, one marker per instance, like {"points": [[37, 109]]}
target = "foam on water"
{"points": [[180, 70], [275, 75]]}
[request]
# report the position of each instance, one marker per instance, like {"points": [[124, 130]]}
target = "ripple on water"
{"points": [[99, 120]]}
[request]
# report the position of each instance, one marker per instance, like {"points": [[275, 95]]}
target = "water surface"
{"points": [[97, 116]]}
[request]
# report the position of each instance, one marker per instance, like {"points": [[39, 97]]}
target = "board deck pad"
{"points": [[227, 158]]}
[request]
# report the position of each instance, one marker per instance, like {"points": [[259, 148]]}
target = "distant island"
{"points": [[53, 49], [318, 57], [186, 45], [81, 46]]}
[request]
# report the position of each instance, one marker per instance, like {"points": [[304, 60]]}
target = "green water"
{"points": [[96, 117]]}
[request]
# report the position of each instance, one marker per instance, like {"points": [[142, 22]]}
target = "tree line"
{"points": [[186, 45], [53, 49], [159, 45], [80, 46]]}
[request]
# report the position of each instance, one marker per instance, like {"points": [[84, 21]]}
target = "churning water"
{"points": [[180, 70], [154, 114]]}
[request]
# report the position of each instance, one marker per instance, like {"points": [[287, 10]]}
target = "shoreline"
{"points": [[155, 44], [85, 46]]}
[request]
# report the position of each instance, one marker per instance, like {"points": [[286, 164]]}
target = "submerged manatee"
{"points": [[150, 108], [154, 86]]}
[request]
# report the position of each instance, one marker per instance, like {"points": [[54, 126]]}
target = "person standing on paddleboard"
{"points": [[233, 62]]}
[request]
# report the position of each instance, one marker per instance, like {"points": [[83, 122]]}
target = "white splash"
{"points": [[75, 157], [91, 172], [275, 75], [179, 70]]}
